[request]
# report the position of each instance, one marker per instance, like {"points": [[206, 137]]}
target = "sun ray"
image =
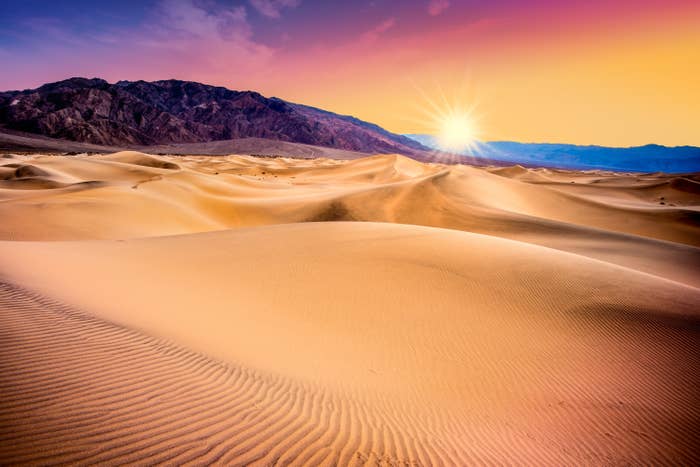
{"points": [[449, 115]]}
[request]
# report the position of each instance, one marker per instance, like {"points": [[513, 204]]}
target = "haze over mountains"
{"points": [[648, 158], [141, 113]]}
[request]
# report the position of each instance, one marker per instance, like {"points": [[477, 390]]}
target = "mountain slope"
{"points": [[162, 112], [649, 158]]}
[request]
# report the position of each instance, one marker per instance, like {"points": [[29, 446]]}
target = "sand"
{"points": [[243, 310]]}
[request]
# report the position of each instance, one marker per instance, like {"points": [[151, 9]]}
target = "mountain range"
{"points": [[173, 116], [648, 158], [141, 113]]}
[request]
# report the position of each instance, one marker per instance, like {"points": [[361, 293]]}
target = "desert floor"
{"points": [[243, 310]]}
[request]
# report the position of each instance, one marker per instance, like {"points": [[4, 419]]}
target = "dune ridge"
{"points": [[646, 222], [379, 311]]}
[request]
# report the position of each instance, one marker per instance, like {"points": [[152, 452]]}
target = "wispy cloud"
{"points": [[273, 8], [53, 28], [191, 20], [207, 36], [374, 33], [435, 7], [186, 39]]}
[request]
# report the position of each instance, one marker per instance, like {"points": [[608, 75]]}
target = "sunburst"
{"points": [[452, 121]]}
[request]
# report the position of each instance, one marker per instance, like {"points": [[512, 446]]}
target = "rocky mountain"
{"points": [[649, 158], [140, 113]]}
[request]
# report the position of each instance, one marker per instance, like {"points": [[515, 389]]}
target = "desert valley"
{"points": [[240, 309]]}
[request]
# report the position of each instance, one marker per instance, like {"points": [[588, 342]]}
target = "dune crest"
{"points": [[644, 222], [240, 310]]}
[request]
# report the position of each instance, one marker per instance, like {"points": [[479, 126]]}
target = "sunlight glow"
{"points": [[451, 119], [456, 132]]}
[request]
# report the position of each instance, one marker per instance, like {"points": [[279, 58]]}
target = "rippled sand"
{"points": [[242, 310]]}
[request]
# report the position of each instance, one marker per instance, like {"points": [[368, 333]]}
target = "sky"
{"points": [[616, 73]]}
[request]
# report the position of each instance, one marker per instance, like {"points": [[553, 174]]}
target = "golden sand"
{"points": [[240, 310]]}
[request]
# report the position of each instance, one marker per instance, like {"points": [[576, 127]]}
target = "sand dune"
{"points": [[610, 217], [200, 310]]}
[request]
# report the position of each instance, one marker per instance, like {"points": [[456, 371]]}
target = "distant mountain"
{"points": [[649, 158], [140, 113]]}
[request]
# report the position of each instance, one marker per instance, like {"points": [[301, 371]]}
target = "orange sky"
{"points": [[616, 73], [609, 83]]}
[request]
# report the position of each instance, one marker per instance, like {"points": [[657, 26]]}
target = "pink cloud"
{"points": [[272, 8], [374, 33], [435, 7], [184, 39]]}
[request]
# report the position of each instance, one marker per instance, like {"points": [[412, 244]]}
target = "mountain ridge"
{"points": [[140, 113], [645, 158]]}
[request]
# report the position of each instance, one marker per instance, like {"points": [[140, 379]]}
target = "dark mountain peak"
{"points": [[72, 84], [175, 111]]}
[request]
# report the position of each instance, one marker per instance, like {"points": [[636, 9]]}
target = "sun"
{"points": [[449, 123], [456, 132]]}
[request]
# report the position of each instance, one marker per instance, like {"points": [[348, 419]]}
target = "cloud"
{"points": [[374, 33], [273, 8], [192, 20], [435, 7], [53, 28], [197, 40], [204, 35]]}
